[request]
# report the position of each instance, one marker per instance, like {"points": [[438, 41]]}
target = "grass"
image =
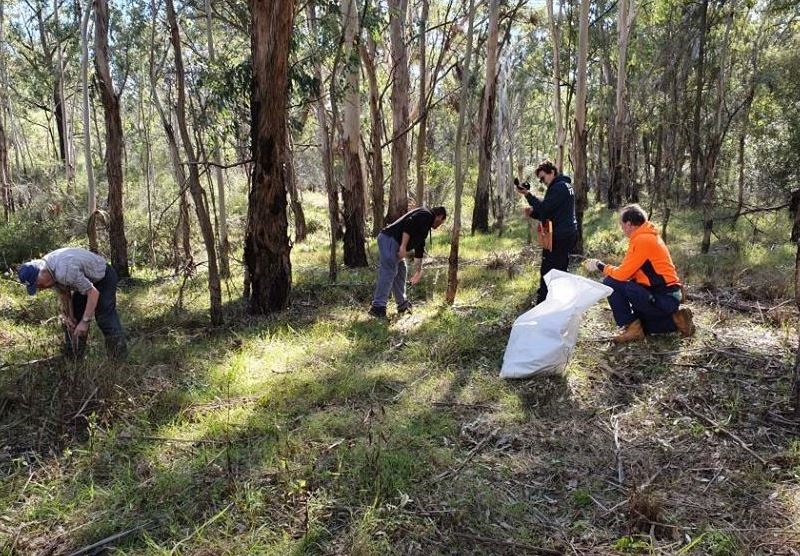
{"points": [[319, 430]]}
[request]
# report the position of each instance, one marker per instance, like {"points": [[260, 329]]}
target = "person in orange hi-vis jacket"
{"points": [[647, 290]]}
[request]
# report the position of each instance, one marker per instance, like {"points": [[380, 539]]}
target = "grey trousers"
{"points": [[391, 273]]}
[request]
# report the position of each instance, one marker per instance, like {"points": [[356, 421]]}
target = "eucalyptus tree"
{"points": [[580, 178], [267, 247], [324, 135], [355, 254], [5, 169], [198, 194], [455, 234], [398, 190], [114, 142], [480, 213]]}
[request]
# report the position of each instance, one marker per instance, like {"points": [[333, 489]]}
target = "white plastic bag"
{"points": [[542, 339]]}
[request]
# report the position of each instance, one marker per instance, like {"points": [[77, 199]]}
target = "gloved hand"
{"points": [[592, 265]]}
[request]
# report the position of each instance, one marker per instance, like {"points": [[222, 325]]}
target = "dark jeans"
{"points": [[105, 314], [558, 258], [631, 300]]}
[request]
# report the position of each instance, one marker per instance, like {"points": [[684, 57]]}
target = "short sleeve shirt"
{"points": [[75, 269]]}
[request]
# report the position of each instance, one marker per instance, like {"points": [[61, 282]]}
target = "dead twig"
{"points": [[717, 427], [108, 540], [511, 544]]}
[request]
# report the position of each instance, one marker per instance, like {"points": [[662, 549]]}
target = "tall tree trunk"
{"points": [[422, 104], [717, 134], [91, 200], [182, 243], [300, 230], [355, 254], [619, 172], [367, 49], [60, 98], [198, 195], [463, 109], [555, 37], [480, 212], [503, 152], [581, 183], [696, 178], [6, 187], [111, 108], [398, 191], [326, 151], [267, 246], [219, 178]]}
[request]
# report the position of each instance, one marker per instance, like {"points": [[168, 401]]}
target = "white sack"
{"points": [[542, 339]]}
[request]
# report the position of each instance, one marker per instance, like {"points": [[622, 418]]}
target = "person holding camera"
{"points": [[556, 214], [647, 291]]}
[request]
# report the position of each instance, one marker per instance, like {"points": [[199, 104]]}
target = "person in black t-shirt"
{"points": [[405, 234], [558, 207]]}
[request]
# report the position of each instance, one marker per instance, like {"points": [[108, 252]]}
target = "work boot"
{"points": [[683, 322], [405, 308], [377, 312], [632, 332]]}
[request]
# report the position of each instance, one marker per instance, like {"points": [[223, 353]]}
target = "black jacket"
{"points": [[417, 224], [557, 206]]}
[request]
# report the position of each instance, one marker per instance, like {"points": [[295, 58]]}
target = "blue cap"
{"points": [[29, 273]]}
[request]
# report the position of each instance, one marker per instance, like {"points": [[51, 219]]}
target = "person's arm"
{"points": [[418, 272], [543, 209], [633, 261], [92, 297], [403, 252]]}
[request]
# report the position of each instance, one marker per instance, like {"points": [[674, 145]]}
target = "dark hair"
{"points": [[633, 214], [547, 167], [439, 211]]}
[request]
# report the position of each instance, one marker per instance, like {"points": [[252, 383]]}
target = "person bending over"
{"points": [[87, 287], [395, 241]]}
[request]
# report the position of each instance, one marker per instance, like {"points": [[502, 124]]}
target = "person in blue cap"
{"points": [[87, 287]]}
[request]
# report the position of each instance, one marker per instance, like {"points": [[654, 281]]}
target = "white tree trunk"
{"points": [[398, 191], [87, 130]]}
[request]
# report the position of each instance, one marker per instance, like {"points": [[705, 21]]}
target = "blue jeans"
{"points": [[106, 315], [631, 300], [392, 273]]}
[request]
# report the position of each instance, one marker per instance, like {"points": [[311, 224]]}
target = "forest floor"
{"points": [[321, 430]]}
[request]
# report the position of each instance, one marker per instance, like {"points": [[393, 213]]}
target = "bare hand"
{"points": [[81, 329], [402, 254], [69, 322], [415, 278], [527, 211]]}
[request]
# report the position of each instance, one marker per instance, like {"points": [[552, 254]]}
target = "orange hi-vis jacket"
{"points": [[647, 261]]}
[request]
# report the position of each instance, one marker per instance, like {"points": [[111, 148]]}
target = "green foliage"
{"points": [[632, 545], [25, 238]]}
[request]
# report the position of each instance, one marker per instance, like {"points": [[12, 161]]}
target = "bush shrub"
{"points": [[25, 238]]}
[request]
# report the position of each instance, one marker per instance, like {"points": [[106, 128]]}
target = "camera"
{"points": [[524, 185]]}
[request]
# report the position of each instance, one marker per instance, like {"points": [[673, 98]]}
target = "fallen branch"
{"points": [[108, 540], [720, 428]]}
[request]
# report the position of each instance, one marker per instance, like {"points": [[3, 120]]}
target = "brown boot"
{"points": [[683, 322], [633, 332]]}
